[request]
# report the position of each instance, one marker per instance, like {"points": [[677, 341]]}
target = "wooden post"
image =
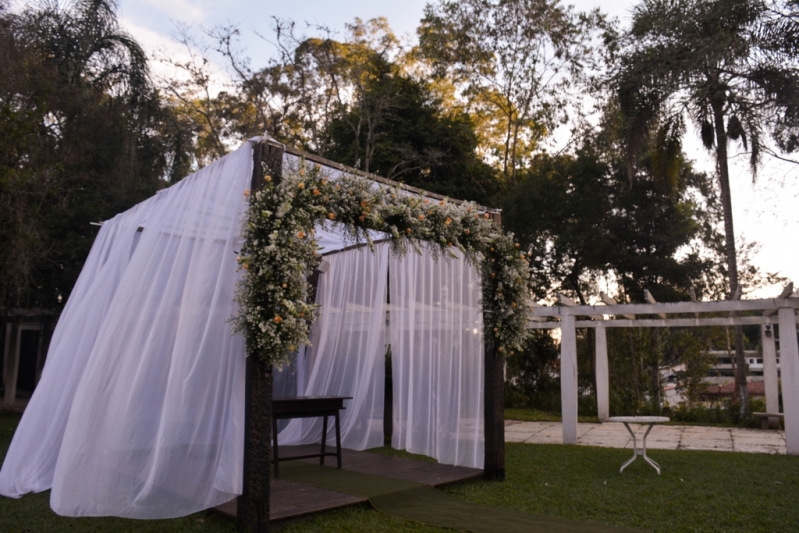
{"points": [[568, 379], [494, 414], [493, 402], [789, 363], [770, 378], [252, 507], [602, 374], [11, 362]]}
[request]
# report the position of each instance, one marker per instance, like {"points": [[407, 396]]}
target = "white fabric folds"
{"points": [[437, 358], [139, 410], [348, 353]]}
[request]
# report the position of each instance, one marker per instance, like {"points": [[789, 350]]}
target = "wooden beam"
{"points": [[252, 507], [787, 292], [670, 307], [770, 376], [568, 379], [602, 374], [660, 323], [493, 403], [651, 299], [607, 300], [789, 363], [494, 214]]}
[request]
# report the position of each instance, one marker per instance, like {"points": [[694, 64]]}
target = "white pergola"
{"points": [[781, 310]]}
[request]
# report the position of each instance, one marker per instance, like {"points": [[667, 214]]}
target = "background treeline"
{"points": [[473, 109]]}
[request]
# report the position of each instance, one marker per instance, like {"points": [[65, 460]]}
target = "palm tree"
{"points": [[726, 66], [86, 45]]}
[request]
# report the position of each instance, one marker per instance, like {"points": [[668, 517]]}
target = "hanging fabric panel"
{"points": [[30, 461], [347, 357], [437, 358], [154, 416]]}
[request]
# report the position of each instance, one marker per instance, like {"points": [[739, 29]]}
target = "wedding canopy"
{"points": [[140, 408]]}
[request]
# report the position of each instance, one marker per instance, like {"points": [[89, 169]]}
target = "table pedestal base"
{"points": [[639, 451]]}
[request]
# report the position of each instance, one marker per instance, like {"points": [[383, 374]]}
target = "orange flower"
{"points": [[301, 235], [316, 192], [442, 202], [485, 216], [363, 203], [302, 315], [302, 172], [493, 275], [245, 266], [301, 186], [516, 245], [466, 231], [268, 178], [278, 320], [426, 201], [331, 216], [246, 193], [421, 217], [513, 305], [448, 221], [408, 230]]}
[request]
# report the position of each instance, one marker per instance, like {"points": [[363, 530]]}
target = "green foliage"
{"points": [[81, 140], [587, 222], [417, 141]]}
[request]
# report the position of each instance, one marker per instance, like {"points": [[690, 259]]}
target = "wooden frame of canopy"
{"points": [[253, 504]]}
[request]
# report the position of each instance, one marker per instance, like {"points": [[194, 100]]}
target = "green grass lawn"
{"points": [[698, 492]]}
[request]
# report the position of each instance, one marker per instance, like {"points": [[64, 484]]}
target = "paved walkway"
{"points": [[664, 437]]}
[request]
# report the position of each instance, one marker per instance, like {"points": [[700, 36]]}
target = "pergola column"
{"points": [[789, 361], [770, 378], [568, 379], [602, 374]]}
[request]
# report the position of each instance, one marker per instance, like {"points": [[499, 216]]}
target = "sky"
{"points": [[766, 210]]}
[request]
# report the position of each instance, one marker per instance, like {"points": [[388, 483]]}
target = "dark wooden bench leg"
{"points": [[324, 441], [338, 442], [275, 460]]}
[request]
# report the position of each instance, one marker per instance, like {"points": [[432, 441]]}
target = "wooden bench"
{"points": [[766, 418]]}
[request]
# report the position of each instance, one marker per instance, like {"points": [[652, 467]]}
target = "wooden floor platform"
{"points": [[292, 500]]}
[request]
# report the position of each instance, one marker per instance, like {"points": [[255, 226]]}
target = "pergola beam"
{"points": [[669, 308], [662, 323]]}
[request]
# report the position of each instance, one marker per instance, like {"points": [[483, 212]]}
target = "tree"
{"points": [[515, 61], [84, 137], [416, 140], [722, 64]]}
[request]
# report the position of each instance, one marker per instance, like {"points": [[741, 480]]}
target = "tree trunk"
{"points": [[729, 250]]}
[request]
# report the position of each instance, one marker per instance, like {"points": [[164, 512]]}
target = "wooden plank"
{"points": [[292, 500]]}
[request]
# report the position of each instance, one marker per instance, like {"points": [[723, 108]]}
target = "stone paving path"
{"points": [[663, 437]]}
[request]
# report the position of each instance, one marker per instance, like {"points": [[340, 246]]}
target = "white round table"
{"points": [[651, 420]]}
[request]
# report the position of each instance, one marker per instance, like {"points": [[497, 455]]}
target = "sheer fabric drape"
{"points": [[140, 403], [437, 358], [348, 353]]}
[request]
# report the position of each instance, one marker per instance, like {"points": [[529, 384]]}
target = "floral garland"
{"points": [[279, 251]]}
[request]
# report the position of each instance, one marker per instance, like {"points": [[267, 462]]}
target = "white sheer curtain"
{"points": [[348, 353], [437, 358], [140, 409]]}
